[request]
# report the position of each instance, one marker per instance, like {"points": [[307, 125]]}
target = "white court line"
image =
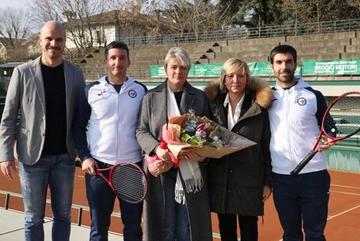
{"points": [[335, 185], [349, 193], [346, 211], [336, 215]]}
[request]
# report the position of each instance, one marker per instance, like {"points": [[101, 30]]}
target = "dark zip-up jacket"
{"points": [[236, 180]]}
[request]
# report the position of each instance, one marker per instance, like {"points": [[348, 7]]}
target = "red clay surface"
{"points": [[343, 221]]}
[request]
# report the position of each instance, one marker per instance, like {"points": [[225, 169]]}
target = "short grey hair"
{"points": [[180, 54]]}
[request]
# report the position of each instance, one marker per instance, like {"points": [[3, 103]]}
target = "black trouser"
{"points": [[228, 227], [302, 204]]}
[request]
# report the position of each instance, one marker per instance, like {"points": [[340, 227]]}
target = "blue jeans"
{"points": [[176, 224], [302, 202], [56, 172], [101, 200]]}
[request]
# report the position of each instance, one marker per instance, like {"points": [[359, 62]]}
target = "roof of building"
{"points": [[10, 64]]}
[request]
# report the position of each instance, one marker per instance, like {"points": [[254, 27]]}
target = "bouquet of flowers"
{"points": [[198, 134], [202, 132], [201, 135]]}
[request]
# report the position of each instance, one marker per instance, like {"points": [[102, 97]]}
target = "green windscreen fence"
{"points": [[308, 67], [196, 70], [263, 69]]}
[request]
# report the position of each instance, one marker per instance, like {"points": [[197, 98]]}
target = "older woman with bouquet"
{"points": [[239, 183], [177, 205]]}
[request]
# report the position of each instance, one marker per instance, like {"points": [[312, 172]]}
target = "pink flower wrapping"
{"points": [[156, 166]]}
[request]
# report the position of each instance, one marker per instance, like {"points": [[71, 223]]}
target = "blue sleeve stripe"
{"points": [[141, 84], [321, 104]]}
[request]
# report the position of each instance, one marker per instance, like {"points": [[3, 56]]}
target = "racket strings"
{"points": [[344, 117], [129, 183]]}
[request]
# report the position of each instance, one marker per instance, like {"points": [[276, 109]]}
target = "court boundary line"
{"points": [[346, 211], [348, 193], [339, 214], [337, 185]]}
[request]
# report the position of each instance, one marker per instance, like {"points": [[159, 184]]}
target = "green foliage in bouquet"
{"points": [[200, 131]]}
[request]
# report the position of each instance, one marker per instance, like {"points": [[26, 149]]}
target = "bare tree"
{"points": [[138, 21], [184, 16], [128, 17], [204, 17], [14, 29], [77, 16], [197, 16], [354, 3], [226, 15], [317, 11], [178, 14], [43, 11]]}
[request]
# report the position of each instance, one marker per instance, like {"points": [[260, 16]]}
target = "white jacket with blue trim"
{"points": [[295, 119], [112, 117]]}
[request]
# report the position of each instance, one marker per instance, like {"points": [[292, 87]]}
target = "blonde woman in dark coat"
{"points": [[240, 183], [165, 219]]}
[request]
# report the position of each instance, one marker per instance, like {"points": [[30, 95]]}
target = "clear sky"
{"points": [[13, 3]]}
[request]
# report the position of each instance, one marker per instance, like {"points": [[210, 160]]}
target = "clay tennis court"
{"points": [[343, 221]]}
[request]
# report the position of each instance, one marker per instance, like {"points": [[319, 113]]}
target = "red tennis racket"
{"points": [[127, 180], [340, 121]]}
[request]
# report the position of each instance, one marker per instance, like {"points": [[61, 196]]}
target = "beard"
{"points": [[54, 52], [290, 77]]}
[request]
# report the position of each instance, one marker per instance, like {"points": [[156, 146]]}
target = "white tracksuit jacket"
{"points": [[295, 118], [112, 117]]}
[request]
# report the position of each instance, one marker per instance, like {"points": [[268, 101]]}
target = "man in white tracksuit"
{"points": [[111, 106], [295, 118]]}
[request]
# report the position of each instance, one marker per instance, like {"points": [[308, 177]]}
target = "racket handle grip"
{"points": [[303, 163]]}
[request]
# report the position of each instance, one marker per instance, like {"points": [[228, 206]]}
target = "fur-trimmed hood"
{"points": [[264, 95]]}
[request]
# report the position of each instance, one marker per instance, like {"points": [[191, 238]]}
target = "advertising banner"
{"points": [[196, 70], [331, 67], [205, 70], [262, 69], [157, 71]]}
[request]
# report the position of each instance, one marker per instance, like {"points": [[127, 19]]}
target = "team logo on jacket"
{"points": [[132, 93], [301, 101]]}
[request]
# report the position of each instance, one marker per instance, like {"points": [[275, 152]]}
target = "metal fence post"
{"points": [[7, 199]]}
